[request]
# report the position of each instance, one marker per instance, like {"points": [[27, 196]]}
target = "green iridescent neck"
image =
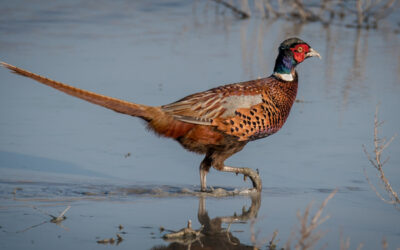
{"points": [[284, 64]]}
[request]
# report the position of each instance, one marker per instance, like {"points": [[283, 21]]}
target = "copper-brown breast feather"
{"points": [[248, 110]]}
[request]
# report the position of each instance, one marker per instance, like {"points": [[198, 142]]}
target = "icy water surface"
{"points": [[57, 151]]}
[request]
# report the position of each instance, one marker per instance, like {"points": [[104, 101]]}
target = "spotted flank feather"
{"points": [[249, 110]]}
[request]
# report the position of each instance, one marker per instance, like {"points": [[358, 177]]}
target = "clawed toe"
{"points": [[255, 178]]}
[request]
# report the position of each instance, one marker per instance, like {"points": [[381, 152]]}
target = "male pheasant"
{"points": [[218, 122]]}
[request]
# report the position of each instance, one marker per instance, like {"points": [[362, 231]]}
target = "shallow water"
{"points": [[57, 151]]}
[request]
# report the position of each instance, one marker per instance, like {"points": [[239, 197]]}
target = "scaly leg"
{"points": [[255, 178], [204, 168], [203, 174]]}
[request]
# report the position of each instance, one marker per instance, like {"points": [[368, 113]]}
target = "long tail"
{"points": [[117, 105]]}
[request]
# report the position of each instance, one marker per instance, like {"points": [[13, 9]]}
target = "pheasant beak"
{"points": [[312, 53]]}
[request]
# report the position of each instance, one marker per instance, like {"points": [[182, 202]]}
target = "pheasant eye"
{"points": [[300, 49]]}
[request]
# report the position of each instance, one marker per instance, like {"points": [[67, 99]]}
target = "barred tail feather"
{"points": [[117, 105]]}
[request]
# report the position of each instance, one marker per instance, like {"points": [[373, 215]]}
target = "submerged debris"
{"points": [[170, 191], [106, 241], [54, 219], [184, 233], [111, 241], [60, 217], [15, 190], [221, 192], [119, 239], [185, 236]]}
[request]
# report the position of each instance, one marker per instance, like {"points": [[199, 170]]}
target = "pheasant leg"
{"points": [[203, 174], [255, 178], [204, 168]]}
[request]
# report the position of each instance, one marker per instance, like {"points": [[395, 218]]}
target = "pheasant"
{"points": [[218, 122]]}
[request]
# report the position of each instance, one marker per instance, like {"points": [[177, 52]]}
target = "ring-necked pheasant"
{"points": [[218, 122]]}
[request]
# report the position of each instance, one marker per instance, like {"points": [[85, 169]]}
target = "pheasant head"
{"points": [[292, 51]]}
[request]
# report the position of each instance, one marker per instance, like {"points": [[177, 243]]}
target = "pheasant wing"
{"points": [[229, 108], [202, 108]]}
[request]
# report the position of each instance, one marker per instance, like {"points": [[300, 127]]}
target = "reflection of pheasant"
{"points": [[218, 122], [212, 234]]}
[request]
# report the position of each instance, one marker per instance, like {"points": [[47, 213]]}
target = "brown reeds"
{"points": [[257, 244], [240, 13], [373, 10], [308, 236], [380, 144], [360, 13], [272, 244], [345, 244]]}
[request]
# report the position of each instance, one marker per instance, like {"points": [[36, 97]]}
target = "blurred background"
{"points": [[56, 150]]}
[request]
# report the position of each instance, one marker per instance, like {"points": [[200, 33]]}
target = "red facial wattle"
{"points": [[299, 52]]}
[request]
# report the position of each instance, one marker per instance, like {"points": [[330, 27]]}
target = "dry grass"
{"points": [[257, 244], [360, 13], [380, 144], [345, 244], [308, 236], [272, 244], [373, 10], [240, 13]]}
